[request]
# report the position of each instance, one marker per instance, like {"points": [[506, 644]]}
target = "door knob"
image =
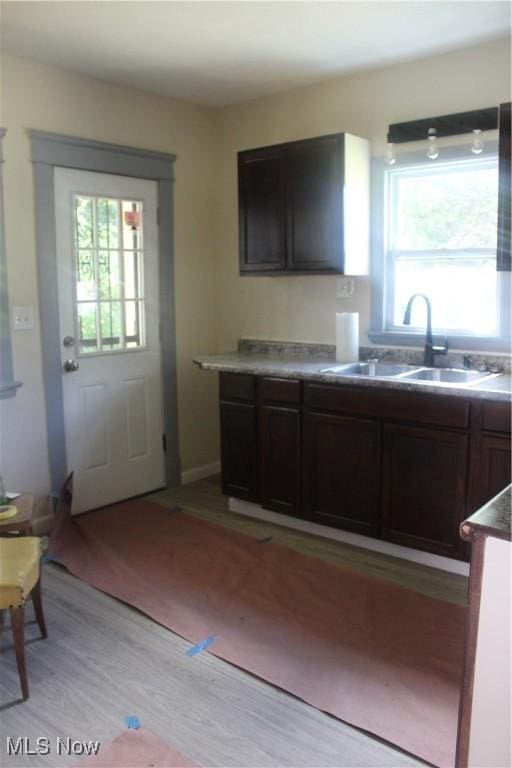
{"points": [[71, 365]]}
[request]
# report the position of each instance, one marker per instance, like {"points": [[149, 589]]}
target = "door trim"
{"points": [[48, 151]]}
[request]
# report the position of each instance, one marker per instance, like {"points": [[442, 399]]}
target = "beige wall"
{"points": [[46, 98], [303, 308]]}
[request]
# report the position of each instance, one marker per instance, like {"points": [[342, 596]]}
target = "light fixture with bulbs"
{"points": [[474, 123]]}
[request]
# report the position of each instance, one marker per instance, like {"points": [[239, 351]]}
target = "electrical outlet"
{"points": [[23, 318], [345, 287]]}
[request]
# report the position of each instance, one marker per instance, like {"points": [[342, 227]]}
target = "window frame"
{"points": [[384, 332]]}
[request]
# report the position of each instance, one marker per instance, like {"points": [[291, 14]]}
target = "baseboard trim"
{"points": [[198, 473], [385, 547]]}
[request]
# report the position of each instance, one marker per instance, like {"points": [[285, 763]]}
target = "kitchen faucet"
{"points": [[430, 349]]}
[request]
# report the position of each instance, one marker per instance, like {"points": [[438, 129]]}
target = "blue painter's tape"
{"points": [[202, 646], [132, 722], [49, 557]]}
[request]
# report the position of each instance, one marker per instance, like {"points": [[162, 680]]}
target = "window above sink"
{"points": [[435, 232], [442, 236]]}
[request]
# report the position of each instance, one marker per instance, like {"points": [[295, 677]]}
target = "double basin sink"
{"points": [[411, 373]]}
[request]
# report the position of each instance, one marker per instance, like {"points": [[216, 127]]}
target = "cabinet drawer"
{"points": [[280, 390], [496, 417], [419, 408], [237, 386]]}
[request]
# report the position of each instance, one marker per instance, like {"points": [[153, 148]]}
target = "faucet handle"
{"points": [[372, 360], [441, 349]]}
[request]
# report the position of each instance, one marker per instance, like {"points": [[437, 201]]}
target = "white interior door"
{"points": [[107, 254]]}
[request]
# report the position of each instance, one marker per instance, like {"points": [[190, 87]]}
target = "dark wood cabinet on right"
{"points": [[491, 452], [424, 487]]}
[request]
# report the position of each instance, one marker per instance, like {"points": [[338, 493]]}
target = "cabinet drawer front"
{"points": [[415, 407], [237, 386], [280, 390], [496, 417]]}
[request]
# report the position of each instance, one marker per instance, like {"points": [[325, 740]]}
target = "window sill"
{"points": [[462, 343], [9, 390]]}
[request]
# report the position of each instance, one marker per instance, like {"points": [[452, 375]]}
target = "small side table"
{"points": [[21, 523]]}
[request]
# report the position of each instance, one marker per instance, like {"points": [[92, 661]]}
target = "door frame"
{"points": [[50, 150]]}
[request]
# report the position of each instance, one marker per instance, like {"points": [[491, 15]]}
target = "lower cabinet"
{"points": [[239, 450], [280, 459], [406, 467], [424, 488], [342, 472]]}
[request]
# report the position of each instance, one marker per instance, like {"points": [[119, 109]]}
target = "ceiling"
{"points": [[218, 53]]}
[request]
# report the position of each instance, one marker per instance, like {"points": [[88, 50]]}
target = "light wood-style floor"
{"points": [[104, 660]]}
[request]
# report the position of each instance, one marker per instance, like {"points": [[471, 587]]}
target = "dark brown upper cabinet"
{"points": [[304, 207]]}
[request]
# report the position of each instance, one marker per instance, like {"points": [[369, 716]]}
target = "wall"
{"points": [[303, 308], [50, 99]]}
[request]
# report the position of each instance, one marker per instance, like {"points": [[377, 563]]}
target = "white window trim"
{"points": [[395, 335]]}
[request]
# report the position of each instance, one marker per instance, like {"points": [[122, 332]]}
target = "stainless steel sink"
{"points": [[402, 372], [446, 375], [380, 370]]}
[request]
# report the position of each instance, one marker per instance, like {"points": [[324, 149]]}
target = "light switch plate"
{"points": [[345, 287], [23, 318]]}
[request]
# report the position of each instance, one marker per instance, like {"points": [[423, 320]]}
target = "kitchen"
{"points": [[290, 427]]}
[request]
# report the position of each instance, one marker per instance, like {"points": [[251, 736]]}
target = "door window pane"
{"points": [[133, 322], [87, 327], [132, 274], [111, 328], [83, 222], [86, 278], [109, 283]]}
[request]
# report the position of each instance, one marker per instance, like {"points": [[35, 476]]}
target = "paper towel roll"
{"points": [[347, 337]]}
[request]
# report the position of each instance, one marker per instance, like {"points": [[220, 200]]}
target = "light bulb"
{"points": [[390, 154], [477, 146], [432, 151]]}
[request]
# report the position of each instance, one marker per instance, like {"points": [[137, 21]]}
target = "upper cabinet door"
{"points": [[314, 205], [261, 210]]}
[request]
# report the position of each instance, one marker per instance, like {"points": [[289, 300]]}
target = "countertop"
{"points": [[309, 368], [493, 519]]}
